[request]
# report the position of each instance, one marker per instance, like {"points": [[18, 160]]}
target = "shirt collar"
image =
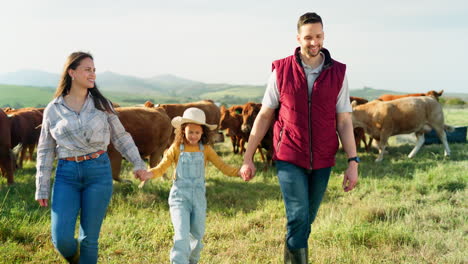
{"points": [[314, 70], [61, 100]]}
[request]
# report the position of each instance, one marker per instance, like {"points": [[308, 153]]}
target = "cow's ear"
{"points": [[441, 92], [353, 104], [222, 108]]}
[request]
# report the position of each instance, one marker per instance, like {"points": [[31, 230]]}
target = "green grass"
{"points": [[456, 116], [402, 211], [24, 96]]}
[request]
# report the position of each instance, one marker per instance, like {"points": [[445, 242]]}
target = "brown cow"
{"points": [[402, 116], [7, 158], [25, 130], [232, 121], [359, 134], [212, 112], [249, 114], [208, 106], [389, 97], [151, 130]]}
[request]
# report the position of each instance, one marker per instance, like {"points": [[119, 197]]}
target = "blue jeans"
{"points": [[84, 188], [302, 191]]}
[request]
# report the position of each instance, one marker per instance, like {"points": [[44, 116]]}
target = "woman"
{"points": [[77, 127]]}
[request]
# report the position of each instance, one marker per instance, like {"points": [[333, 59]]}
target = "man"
{"points": [[309, 93]]}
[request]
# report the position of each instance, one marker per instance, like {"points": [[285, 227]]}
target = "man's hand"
{"points": [[350, 177], [247, 171]]}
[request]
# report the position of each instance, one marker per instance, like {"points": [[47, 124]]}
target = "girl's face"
{"points": [[193, 133]]}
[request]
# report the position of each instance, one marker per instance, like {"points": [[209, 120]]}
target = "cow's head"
{"points": [[149, 104], [435, 94], [224, 117], [249, 114]]}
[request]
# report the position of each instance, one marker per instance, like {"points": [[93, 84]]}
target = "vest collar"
{"points": [[328, 62]]}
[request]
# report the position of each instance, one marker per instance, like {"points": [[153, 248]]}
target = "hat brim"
{"points": [[179, 121]]}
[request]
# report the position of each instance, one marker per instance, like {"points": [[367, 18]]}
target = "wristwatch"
{"points": [[356, 159]]}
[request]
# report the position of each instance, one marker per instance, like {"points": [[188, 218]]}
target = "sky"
{"points": [[400, 45]]}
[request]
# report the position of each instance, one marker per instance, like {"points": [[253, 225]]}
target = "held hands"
{"points": [[43, 202], [247, 171], [143, 175]]}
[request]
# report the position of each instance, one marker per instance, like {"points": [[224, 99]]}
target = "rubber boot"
{"points": [[297, 256]]}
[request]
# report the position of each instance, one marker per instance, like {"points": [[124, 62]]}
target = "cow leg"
{"points": [[366, 146], [369, 145], [443, 138], [155, 158], [241, 145], [31, 151], [261, 153], [382, 143], [419, 143], [235, 149], [116, 162], [22, 156]]}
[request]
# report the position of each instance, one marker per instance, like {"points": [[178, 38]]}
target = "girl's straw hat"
{"points": [[192, 115]]}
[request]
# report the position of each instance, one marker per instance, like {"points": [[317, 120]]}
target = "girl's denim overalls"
{"points": [[187, 204]]}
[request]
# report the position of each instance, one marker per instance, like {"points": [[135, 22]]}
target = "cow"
{"points": [[232, 121], [151, 130], [208, 106], [7, 158], [249, 114], [212, 112], [389, 97], [401, 116], [25, 130], [359, 134]]}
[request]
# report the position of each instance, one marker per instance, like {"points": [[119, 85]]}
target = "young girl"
{"points": [[187, 201]]}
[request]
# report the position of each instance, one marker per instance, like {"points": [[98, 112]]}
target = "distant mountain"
{"points": [[170, 87], [114, 82], [370, 93], [30, 77]]}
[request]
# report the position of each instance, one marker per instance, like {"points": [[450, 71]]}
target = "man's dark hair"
{"points": [[308, 18]]}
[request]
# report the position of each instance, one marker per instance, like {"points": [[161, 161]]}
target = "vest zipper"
{"points": [[310, 126], [279, 140]]}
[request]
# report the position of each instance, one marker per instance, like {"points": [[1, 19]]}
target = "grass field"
{"points": [[402, 211]]}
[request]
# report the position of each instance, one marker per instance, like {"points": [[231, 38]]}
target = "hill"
{"points": [[34, 88]]}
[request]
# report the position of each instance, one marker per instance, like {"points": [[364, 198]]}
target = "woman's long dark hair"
{"points": [[64, 86]]}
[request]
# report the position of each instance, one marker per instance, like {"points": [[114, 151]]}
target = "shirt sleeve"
{"points": [[271, 96], [124, 143], [343, 105], [45, 159], [169, 158], [219, 163]]}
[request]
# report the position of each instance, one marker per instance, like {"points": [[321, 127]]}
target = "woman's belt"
{"points": [[89, 156]]}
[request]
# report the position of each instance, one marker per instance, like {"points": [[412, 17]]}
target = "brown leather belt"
{"points": [[93, 155]]}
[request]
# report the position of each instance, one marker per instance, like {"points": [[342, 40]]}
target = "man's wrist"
{"points": [[354, 159]]}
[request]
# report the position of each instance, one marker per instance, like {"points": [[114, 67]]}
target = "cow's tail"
{"points": [[449, 128]]}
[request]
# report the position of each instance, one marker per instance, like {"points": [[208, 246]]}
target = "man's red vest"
{"points": [[304, 132]]}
